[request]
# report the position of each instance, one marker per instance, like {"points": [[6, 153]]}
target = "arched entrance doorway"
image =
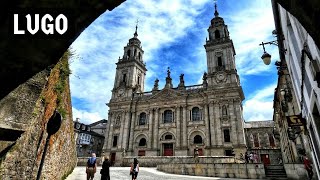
{"points": [[167, 141]]}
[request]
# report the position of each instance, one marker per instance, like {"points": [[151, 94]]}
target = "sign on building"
{"points": [[296, 120]]}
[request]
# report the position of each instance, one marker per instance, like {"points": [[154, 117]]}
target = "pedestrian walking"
{"points": [[307, 166], [251, 157], [255, 158], [280, 160], [246, 156], [134, 169], [91, 166], [105, 171]]}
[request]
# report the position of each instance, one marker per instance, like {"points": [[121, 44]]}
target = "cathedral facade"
{"points": [[174, 121]]}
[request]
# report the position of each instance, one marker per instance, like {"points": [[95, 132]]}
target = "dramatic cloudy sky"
{"points": [[173, 34]]}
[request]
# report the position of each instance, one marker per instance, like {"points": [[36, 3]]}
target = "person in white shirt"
{"points": [[134, 169]]}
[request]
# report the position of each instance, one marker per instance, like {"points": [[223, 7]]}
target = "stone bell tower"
{"points": [[224, 91], [131, 70], [220, 54]]}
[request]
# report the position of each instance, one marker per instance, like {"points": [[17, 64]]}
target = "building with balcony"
{"points": [[87, 140]]}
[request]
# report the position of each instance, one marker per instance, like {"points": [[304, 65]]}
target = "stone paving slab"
{"points": [[122, 173]]}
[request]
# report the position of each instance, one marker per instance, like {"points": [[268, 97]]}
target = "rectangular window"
{"points": [[228, 152], [294, 42], [307, 83], [271, 140], [226, 134], [124, 78], [219, 61], [256, 140], [139, 80], [115, 141], [168, 116]]}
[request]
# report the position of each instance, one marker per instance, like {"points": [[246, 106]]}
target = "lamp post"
{"points": [[266, 57]]}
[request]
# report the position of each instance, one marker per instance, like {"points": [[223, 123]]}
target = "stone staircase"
{"points": [[275, 172]]}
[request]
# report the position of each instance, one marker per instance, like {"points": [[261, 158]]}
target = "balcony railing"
{"points": [[198, 86]]}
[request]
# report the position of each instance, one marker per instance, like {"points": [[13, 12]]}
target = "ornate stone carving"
{"points": [[181, 84], [221, 77], [156, 85], [225, 118], [204, 80], [168, 80], [166, 94]]}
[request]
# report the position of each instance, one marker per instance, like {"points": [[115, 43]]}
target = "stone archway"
{"points": [[20, 59], [197, 141], [24, 66], [167, 144]]}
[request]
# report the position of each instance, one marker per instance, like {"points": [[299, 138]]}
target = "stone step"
{"points": [[283, 175], [274, 167], [277, 178], [276, 171]]}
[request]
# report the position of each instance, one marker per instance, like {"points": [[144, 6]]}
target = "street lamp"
{"points": [[266, 57]]}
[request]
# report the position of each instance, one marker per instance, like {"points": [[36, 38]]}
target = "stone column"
{"points": [[133, 119], [150, 122], [126, 131], [178, 138], [213, 124], [184, 126], [233, 131], [121, 130], [217, 127], [111, 118], [156, 129], [207, 125], [106, 140], [239, 121]]}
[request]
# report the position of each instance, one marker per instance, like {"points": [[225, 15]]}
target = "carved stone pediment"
{"points": [[166, 94], [225, 118]]}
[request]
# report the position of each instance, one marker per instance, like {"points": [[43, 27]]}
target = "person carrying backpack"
{"points": [[91, 166]]}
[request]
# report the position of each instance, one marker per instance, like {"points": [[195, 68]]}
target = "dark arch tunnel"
{"points": [[20, 59]]}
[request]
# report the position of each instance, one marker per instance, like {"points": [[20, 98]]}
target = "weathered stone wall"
{"points": [[261, 129], [153, 161], [17, 107], [296, 171], [23, 159], [224, 170]]}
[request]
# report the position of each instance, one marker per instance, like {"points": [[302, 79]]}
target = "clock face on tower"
{"points": [[220, 76], [120, 92]]}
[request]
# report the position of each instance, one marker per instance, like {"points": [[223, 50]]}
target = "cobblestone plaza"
{"points": [[122, 173]]}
